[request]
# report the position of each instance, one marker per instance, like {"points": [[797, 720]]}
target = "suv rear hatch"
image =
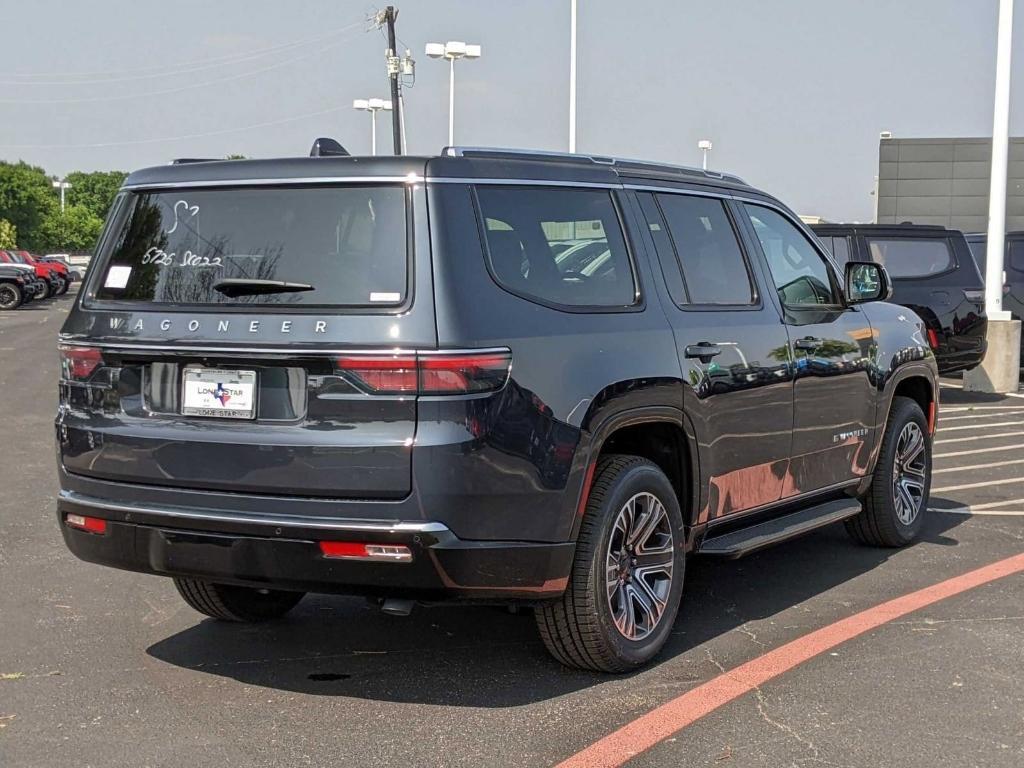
{"points": [[230, 339]]}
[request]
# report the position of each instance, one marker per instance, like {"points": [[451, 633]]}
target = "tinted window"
{"points": [[801, 275], [348, 243], [563, 246], [903, 257], [979, 249], [1016, 259], [841, 250], [714, 271]]}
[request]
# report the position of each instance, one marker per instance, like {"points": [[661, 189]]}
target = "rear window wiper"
{"points": [[233, 287]]}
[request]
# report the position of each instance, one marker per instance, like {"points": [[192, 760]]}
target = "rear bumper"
{"points": [[283, 552]]}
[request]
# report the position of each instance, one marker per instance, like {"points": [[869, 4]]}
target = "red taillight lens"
{"points": [[78, 363], [933, 339], [453, 373], [463, 373], [90, 524]]}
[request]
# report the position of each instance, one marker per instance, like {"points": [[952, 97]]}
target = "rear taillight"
{"points": [[446, 373], [78, 363], [83, 523], [933, 338], [359, 550]]}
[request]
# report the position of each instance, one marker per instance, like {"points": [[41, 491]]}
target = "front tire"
{"points": [[10, 296], [896, 502], [63, 286], [45, 293], [626, 582], [230, 603]]}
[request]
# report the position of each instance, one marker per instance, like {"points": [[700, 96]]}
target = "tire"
{"points": [[10, 296], [582, 628], [45, 293], [231, 603], [892, 517], [63, 287]]}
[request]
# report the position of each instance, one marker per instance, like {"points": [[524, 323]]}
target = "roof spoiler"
{"points": [[327, 147]]}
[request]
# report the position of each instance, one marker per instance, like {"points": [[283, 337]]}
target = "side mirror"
{"points": [[867, 281]]}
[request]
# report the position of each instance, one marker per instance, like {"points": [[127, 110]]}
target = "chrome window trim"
{"points": [[511, 182], [278, 521]]}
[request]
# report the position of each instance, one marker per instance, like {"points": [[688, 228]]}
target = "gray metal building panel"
{"points": [[945, 181]]}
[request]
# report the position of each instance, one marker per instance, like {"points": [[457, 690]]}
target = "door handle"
{"points": [[808, 343], [703, 351]]}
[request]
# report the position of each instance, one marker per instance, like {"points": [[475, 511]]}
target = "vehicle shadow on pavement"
{"points": [[476, 656]]}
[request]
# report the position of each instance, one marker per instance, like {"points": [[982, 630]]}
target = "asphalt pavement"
{"points": [[106, 668]]}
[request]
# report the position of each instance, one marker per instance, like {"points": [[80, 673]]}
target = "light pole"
{"points": [[1000, 370], [704, 145], [572, 76], [373, 106], [451, 51], [62, 186]]}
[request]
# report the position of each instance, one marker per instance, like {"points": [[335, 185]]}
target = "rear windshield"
{"points": [[903, 257], [336, 246]]}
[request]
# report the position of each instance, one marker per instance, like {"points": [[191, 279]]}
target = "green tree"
{"points": [[96, 190], [77, 229], [8, 234], [26, 199]]}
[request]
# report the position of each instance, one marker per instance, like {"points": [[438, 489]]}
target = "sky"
{"points": [[793, 93]]}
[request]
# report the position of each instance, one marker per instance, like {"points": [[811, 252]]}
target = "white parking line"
{"points": [[980, 437], [974, 416], [985, 484], [979, 511], [978, 450], [983, 426], [978, 466], [952, 408]]}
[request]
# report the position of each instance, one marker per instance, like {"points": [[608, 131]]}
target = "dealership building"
{"points": [[945, 181]]}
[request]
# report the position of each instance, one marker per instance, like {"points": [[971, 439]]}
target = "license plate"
{"points": [[221, 393]]}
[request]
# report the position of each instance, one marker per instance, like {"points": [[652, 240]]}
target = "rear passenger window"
{"points": [[560, 246], [903, 257], [1016, 256], [705, 246]]}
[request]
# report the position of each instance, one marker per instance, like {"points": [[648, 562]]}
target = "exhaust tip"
{"points": [[394, 606]]}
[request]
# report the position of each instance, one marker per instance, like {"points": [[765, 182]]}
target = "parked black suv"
{"points": [[1013, 269], [933, 274], [487, 375]]}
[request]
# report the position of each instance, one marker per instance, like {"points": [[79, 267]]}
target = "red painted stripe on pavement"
{"points": [[647, 730]]}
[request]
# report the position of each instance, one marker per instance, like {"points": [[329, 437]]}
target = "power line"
{"points": [[179, 89], [222, 132], [161, 71]]}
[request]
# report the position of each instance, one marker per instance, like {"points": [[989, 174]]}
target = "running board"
{"points": [[746, 540]]}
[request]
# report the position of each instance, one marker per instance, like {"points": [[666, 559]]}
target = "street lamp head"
{"points": [[704, 144], [363, 104], [454, 49], [435, 50], [376, 104], [472, 51]]}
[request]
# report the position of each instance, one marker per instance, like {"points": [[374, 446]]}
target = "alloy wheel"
{"points": [[8, 297], [909, 476], [638, 566]]}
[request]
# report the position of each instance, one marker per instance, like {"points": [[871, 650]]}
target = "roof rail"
{"points": [[186, 160], [617, 162]]}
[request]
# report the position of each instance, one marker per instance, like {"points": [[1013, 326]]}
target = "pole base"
{"points": [[999, 373]]}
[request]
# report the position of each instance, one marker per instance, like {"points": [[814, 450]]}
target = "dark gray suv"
{"points": [[488, 375]]}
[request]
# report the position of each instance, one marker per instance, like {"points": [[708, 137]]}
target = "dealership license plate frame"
{"points": [[195, 405]]}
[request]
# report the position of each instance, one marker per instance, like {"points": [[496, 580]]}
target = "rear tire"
{"points": [[626, 581], [896, 502], [230, 603], [63, 287], [45, 293], [10, 296]]}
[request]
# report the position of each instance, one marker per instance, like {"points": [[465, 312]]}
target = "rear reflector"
{"points": [[83, 523], [359, 550], [78, 363], [933, 339], [448, 373]]}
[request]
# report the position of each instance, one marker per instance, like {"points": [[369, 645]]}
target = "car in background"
{"points": [[35, 285], [933, 273], [77, 264], [51, 280], [16, 287], [58, 270], [1013, 269]]}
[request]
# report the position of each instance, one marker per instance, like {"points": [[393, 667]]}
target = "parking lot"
{"points": [[101, 667]]}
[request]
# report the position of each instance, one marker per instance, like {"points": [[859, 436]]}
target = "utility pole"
{"points": [[387, 17]]}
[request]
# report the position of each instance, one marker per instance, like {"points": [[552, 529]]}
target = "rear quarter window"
{"points": [[903, 257], [349, 245], [559, 246]]}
